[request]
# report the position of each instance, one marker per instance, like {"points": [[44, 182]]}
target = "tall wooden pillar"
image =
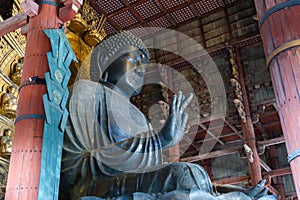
{"points": [[24, 171], [248, 129], [280, 32]]}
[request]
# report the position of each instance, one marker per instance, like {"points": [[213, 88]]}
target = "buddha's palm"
{"points": [[173, 130]]}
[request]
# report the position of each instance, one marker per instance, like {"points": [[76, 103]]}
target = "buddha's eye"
{"points": [[143, 58]]}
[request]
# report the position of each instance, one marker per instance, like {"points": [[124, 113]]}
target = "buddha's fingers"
{"points": [[185, 102], [178, 102], [173, 105], [184, 120]]}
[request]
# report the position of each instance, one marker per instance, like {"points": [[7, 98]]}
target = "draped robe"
{"points": [[111, 150]]}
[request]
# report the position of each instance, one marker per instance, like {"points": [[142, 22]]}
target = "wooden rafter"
{"points": [[13, 23], [241, 178], [231, 149]]}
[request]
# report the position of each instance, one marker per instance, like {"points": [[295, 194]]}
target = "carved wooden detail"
{"points": [[238, 100], [84, 31], [88, 25]]}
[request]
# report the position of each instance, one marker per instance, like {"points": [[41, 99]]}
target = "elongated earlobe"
{"points": [[104, 77]]}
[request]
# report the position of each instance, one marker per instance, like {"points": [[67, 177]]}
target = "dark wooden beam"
{"points": [[278, 172], [212, 154], [167, 15], [219, 147], [231, 149], [99, 10], [126, 8], [186, 4], [273, 123], [241, 178], [125, 2], [231, 180], [270, 142], [132, 10], [13, 23]]}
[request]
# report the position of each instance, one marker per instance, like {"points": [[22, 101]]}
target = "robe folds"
{"points": [[111, 150]]}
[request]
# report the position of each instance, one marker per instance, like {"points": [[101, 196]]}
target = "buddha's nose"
{"points": [[140, 69]]}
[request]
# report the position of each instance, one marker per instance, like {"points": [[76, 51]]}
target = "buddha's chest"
{"points": [[124, 119]]}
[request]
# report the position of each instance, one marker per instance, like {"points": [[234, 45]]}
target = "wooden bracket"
{"points": [[13, 23], [69, 10], [30, 7]]}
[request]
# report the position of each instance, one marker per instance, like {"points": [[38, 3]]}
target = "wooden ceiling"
{"points": [[128, 14]]}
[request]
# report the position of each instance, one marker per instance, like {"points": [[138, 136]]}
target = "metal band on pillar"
{"points": [[277, 8], [282, 48], [295, 154], [30, 116], [49, 3], [33, 81]]}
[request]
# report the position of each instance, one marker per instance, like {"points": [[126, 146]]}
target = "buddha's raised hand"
{"points": [[173, 130]]}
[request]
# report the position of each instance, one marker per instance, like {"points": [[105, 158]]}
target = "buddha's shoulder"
{"points": [[86, 89], [86, 86]]}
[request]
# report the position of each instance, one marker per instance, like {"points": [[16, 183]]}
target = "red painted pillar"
{"points": [[24, 171], [280, 32], [248, 129]]}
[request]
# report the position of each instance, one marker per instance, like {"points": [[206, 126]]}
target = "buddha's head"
{"points": [[12, 89], [8, 132], [18, 68], [119, 61]]}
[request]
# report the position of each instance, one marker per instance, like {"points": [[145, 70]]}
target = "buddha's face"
{"points": [[127, 72], [19, 67]]}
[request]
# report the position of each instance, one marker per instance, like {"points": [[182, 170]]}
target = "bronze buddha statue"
{"points": [[9, 102], [17, 73], [6, 141], [110, 149]]}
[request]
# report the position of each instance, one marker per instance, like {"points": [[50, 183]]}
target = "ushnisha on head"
{"points": [[119, 61]]}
